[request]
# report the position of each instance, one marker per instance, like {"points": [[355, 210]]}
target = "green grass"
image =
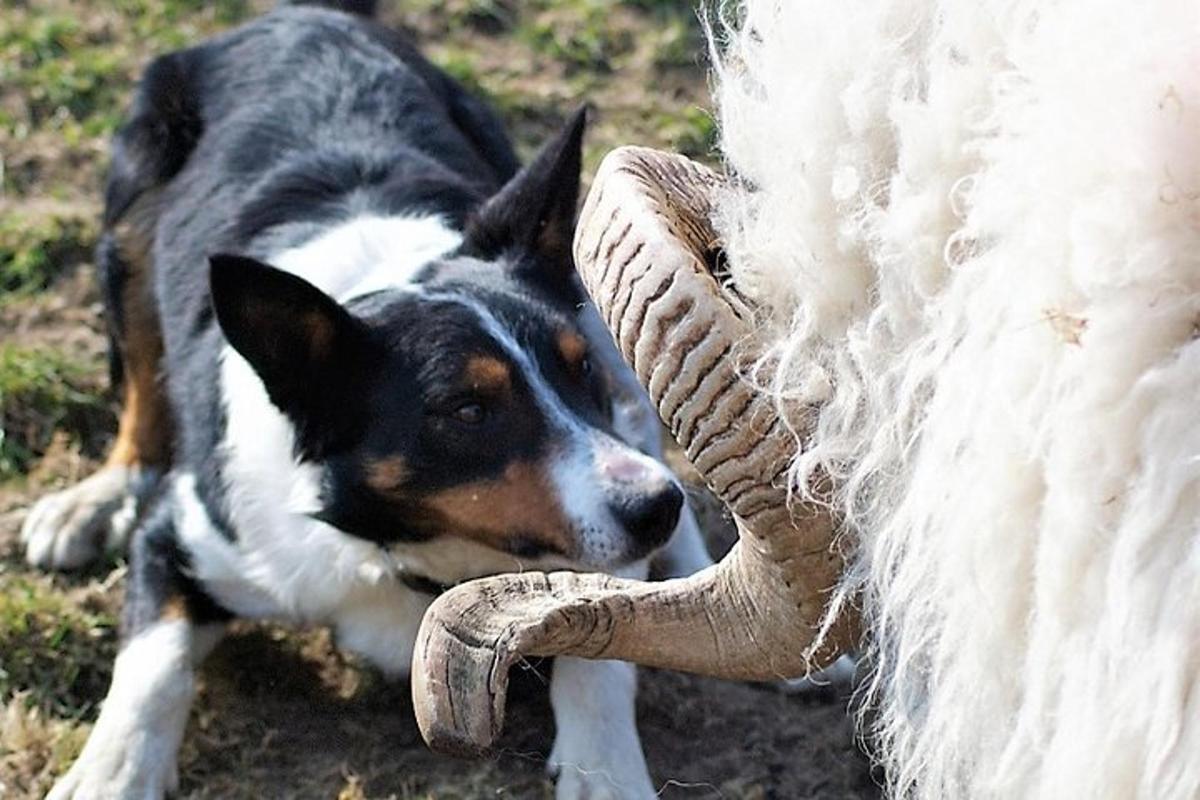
{"points": [[36, 248], [484, 16], [43, 391], [678, 44], [661, 6], [66, 71], [55, 651], [63, 73], [578, 34], [692, 132]]}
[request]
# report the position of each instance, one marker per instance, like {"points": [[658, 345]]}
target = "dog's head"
{"points": [[466, 404]]}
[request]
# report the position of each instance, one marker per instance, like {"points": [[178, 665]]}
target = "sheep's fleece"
{"points": [[975, 228]]}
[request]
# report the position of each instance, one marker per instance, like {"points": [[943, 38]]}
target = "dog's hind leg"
{"points": [[70, 528], [169, 626]]}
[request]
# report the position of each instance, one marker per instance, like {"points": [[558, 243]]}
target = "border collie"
{"points": [[379, 374]]}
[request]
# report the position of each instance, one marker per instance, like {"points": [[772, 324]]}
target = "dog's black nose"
{"points": [[650, 519]]}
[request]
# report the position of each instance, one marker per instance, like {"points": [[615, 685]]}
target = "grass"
{"points": [[693, 133], [56, 652], [66, 70], [579, 35], [62, 72], [35, 248], [43, 391]]}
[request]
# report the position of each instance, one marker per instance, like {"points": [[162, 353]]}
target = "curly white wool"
{"points": [[976, 230]]}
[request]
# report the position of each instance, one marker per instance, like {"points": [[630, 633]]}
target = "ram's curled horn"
{"points": [[646, 252]]}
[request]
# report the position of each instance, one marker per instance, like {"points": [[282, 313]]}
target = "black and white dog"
{"points": [[381, 375]]}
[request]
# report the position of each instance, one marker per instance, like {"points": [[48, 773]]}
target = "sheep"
{"points": [[961, 293], [975, 229]]}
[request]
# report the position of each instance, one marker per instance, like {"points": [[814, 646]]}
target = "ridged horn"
{"points": [[647, 254]]}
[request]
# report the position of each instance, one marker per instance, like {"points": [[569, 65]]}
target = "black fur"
{"points": [[260, 137], [159, 576], [313, 356], [112, 274]]}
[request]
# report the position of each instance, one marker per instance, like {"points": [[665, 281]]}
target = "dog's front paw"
{"points": [[69, 529], [117, 770], [576, 785], [583, 777], [597, 752]]}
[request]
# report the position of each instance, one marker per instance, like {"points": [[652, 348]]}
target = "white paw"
{"points": [[69, 529], [597, 753], [119, 769], [584, 777]]}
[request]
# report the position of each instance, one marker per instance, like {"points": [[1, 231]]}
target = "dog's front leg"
{"points": [[597, 753], [168, 629]]}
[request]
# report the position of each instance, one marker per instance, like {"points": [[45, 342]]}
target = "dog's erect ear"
{"points": [[311, 354], [535, 211]]}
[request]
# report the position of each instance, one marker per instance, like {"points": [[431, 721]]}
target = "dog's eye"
{"points": [[585, 366], [469, 413]]}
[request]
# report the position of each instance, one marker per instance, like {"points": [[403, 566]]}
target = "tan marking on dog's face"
{"points": [[488, 374], [387, 474], [572, 346], [519, 505]]}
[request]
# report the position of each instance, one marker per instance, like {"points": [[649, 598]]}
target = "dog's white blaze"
{"points": [[369, 253], [634, 417], [635, 421]]}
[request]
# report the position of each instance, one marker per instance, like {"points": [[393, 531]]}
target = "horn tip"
{"points": [[459, 709]]}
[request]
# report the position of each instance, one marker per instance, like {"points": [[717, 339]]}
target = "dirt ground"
{"points": [[282, 714]]}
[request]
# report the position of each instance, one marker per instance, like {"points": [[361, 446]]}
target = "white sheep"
{"points": [[977, 229]]}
